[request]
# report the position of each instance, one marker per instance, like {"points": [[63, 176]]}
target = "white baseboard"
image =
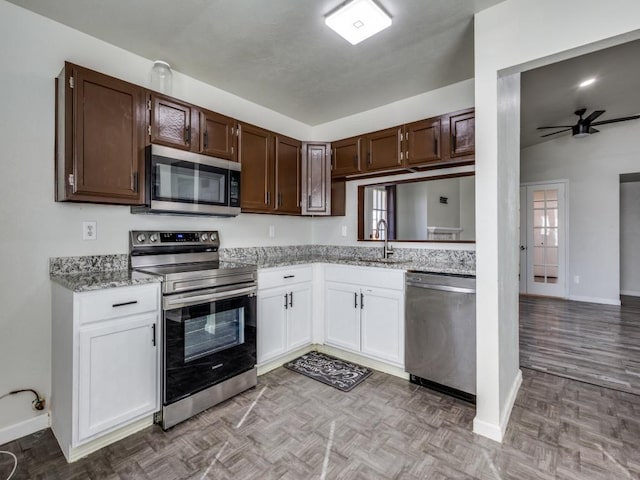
{"points": [[603, 301], [24, 428], [491, 430], [278, 362], [631, 293], [76, 453]]}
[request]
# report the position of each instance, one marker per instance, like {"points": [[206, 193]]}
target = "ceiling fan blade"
{"points": [[555, 126], [595, 114], [593, 130], [614, 120], [554, 133]]}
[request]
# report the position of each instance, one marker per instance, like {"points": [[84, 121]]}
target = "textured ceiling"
{"points": [[551, 94], [279, 53]]}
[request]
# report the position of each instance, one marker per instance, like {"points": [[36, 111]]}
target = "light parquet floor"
{"points": [[386, 428], [593, 343]]}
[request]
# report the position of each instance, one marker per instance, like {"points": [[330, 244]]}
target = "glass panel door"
{"points": [[545, 239]]}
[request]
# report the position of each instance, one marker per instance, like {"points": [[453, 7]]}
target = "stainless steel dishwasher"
{"points": [[440, 332]]}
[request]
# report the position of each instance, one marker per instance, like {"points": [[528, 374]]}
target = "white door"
{"points": [[382, 324], [272, 334], [117, 373], [342, 315], [299, 318], [546, 239]]}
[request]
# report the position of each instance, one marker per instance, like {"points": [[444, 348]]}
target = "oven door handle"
{"points": [[169, 303]]}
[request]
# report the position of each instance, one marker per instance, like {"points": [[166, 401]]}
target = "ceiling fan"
{"points": [[584, 127]]}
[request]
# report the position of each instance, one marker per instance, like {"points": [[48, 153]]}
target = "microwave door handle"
{"points": [[171, 303]]}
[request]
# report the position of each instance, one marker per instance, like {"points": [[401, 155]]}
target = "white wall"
{"points": [[35, 228], [467, 208], [593, 166], [411, 209], [629, 237], [510, 37], [444, 214]]}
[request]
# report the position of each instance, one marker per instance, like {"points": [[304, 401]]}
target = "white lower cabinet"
{"points": [[366, 315], [284, 310], [105, 362]]}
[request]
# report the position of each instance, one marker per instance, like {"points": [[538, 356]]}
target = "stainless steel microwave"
{"points": [[187, 183]]}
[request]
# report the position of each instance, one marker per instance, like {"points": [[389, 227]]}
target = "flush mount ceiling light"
{"points": [[358, 20], [587, 82]]}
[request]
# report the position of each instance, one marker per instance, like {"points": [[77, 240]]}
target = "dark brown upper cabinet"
{"points": [[422, 142], [462, 132], [316, 175], [100, 126], [217, 135], [347, 157], [287, 173], [170, 122], [256, 154], [384, 149]]}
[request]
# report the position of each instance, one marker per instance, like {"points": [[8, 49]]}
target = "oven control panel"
{"points": [[164, 238]]}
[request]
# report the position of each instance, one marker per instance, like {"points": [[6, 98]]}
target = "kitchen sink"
{"points": [[387, 261]]}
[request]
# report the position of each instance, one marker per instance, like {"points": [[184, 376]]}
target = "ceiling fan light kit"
{"points": [[358, 20], [584, 126]]}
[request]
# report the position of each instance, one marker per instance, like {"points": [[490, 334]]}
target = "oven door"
{"points": [[209, 337]]}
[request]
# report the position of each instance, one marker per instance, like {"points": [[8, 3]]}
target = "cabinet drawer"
{"points": [[366, 276], [280, 276], [117, 302]]}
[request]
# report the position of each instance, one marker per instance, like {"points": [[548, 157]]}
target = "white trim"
{"points": [[24, 428], [364, 361], [604, 301], [491, 430], [93, 446], [631, 293], [279, 361]]}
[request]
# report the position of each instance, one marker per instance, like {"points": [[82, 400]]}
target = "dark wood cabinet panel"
{"points": [[100, 138], [462, 134], [217, 135], [316, 174], [255, 153], [287, 171], [347, 156], [338, 198], [170, 122], [422, 142], [384, 149]]}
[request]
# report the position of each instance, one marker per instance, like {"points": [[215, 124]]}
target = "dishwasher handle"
{"points": [[443, 288]]}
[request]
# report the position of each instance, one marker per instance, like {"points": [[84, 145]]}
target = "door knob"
{"points": [[522, 247]]}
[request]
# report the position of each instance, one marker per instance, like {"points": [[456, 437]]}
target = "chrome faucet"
{"points": [[388, 249]]}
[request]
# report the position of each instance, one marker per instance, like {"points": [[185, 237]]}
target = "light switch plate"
{"points": [[89, 230], [344, 230], [272, 231]]}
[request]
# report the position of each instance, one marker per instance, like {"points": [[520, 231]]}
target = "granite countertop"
{"points": [[87, 281], [397, 264]]}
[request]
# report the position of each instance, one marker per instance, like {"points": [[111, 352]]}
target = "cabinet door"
{"points": [[382, 324], [316, 178], [255, 153], [287, 175], [272, 339], [105, 130], [342, 316], [347, 156], [384, 149], [217, 135], [299, 316], [170, 122], [462, 134], [422, 144], [118, 373]]}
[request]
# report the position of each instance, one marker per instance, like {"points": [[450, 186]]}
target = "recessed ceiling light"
{"points": [[587, 82], [358, 20]]}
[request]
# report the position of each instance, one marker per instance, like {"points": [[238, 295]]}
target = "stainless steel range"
{"points": [[209, 319]]}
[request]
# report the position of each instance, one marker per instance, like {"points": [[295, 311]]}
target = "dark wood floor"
{"points": [[594, 343], [386, 428]]}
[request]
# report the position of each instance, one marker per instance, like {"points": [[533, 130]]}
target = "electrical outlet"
{"points": [[272, 231], [344, 230], [576, 279], [89, 230]]}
